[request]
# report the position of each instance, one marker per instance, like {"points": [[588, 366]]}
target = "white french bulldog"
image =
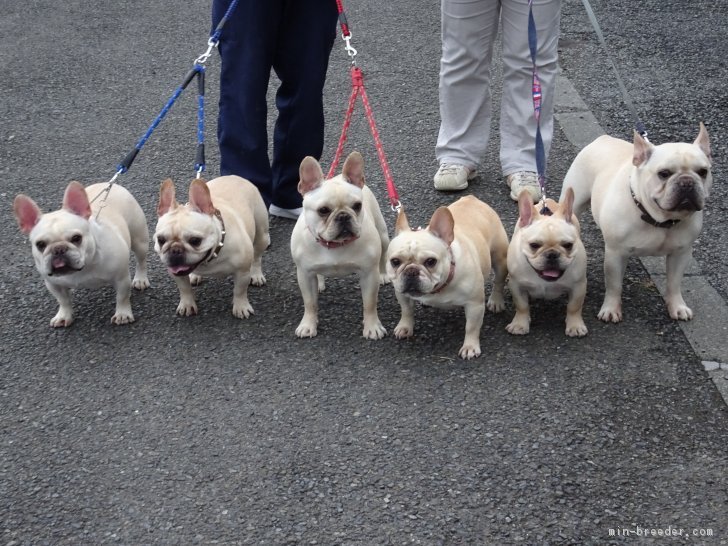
{"points": [[647, 201], [446, 265], [546, 259], [221, 231], [341, 231], [86, 245]]}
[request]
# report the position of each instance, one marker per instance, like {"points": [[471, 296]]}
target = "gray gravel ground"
{"points": [[213, 430]]}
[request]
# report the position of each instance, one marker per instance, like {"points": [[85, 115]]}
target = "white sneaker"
{"points": [[291, 214], [453, 177], [524, 180]]}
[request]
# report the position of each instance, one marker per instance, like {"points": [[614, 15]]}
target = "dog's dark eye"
{"points": [[430, 262], [324, 211], [535, 246], [76, 239], [40, 245], [356, 207], [567, 246], [396, 262], [161, 240], [702, 173], [195, 241], [664, 174]]}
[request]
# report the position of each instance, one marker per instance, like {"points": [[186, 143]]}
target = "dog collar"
{"points": [[214, 252], [450, 274], [331, 244], [667, 224]]}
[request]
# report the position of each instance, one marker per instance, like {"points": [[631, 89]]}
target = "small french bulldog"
{"points": [[446, 265], [648, 201], [341, 231], [86, 245], [221, 231], [546, 259]]}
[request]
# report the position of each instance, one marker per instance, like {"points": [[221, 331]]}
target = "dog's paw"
{"points": [[680, 312], [384, 279], [195, 280], [496, 304], [306, 329], [61, 320], [610, 313], [140, 283], [257, 279], [469, 351], [374, 330], [242, 309], [576, 329], [321, 281], [404, 330], [122, 317], [518, 327], [186, 309]]}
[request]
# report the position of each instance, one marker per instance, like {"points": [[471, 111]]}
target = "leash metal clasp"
{"points": [[349, 48], [211, 44]]}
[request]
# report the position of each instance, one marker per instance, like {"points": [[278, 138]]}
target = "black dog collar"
{"points": [[667, 224]]}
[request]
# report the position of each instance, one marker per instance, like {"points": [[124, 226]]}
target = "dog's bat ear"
{"points": [[75, 200], [442, 225], [642, 150], [566, 206], [401, 224], [353, 169], [26, 212], [703, 141], [311, 175], [200, 197], [525, 209], [166, 198]]}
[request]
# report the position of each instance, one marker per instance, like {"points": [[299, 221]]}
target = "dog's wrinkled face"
{"points": [[185, 235], [676, 176], [333, 208], [419, 261], [61, 241], [548, 242]]}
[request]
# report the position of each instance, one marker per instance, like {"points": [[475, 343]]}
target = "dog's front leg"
{"points": [[615, 264], [675, 266], [187, 306], [369, 281], [241, 305], [473, 323], [521, 323], [406, 326], [575, 326], [64, 316], [309, 286], [123, 314]]}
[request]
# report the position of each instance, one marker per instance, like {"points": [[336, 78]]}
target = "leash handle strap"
{"points": [[357, 81]]}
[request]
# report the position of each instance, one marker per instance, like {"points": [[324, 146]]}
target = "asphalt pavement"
{"points": [[215, 430]]}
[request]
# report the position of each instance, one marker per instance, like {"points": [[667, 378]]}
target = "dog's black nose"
{"points": [[59, 250]]}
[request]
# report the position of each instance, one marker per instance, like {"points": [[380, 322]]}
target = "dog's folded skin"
{"points": [[648, 201], [221, 231], [546, 259], [341, 231], [446, 265], [86, 245]]}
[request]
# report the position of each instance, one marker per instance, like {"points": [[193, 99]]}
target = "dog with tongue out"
{"points": [[546, 260]]}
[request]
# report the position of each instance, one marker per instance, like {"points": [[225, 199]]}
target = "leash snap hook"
{"points": [[350, 50], [211, 44]]}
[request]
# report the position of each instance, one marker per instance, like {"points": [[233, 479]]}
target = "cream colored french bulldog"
{"points": [[648, 201], [86, 245], [446, 265], [546, 259], [221, 231], [341, 231]]}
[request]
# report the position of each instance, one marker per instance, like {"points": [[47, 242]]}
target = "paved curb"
{"points": [[708, 332]]}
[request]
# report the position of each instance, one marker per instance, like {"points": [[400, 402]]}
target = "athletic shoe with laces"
{"points": [[291, 214], [453, 177], [524, 180]]}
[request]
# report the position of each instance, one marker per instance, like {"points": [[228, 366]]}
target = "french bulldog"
{"points": [[86, 243], [446, 265], [648, 201], [341, 231], [221, 231], [546, 259]]}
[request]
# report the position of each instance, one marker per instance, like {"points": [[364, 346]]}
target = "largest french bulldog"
{"points": [[648, 201], [86, 244]]}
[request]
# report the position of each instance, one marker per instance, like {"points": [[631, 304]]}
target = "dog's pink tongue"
{"points": [[177, 269], [58, 263], [554, 273]]}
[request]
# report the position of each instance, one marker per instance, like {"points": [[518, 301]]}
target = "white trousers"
{"points": [[469, 29]]}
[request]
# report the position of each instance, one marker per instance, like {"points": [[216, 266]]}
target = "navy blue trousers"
{"points": [[294, 38]]}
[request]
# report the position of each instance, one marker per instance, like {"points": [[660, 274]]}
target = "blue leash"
{"points": [[197, 71], [537, 98]]}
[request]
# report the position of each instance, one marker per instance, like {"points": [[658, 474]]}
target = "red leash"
{"points": [[357, 89]]}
